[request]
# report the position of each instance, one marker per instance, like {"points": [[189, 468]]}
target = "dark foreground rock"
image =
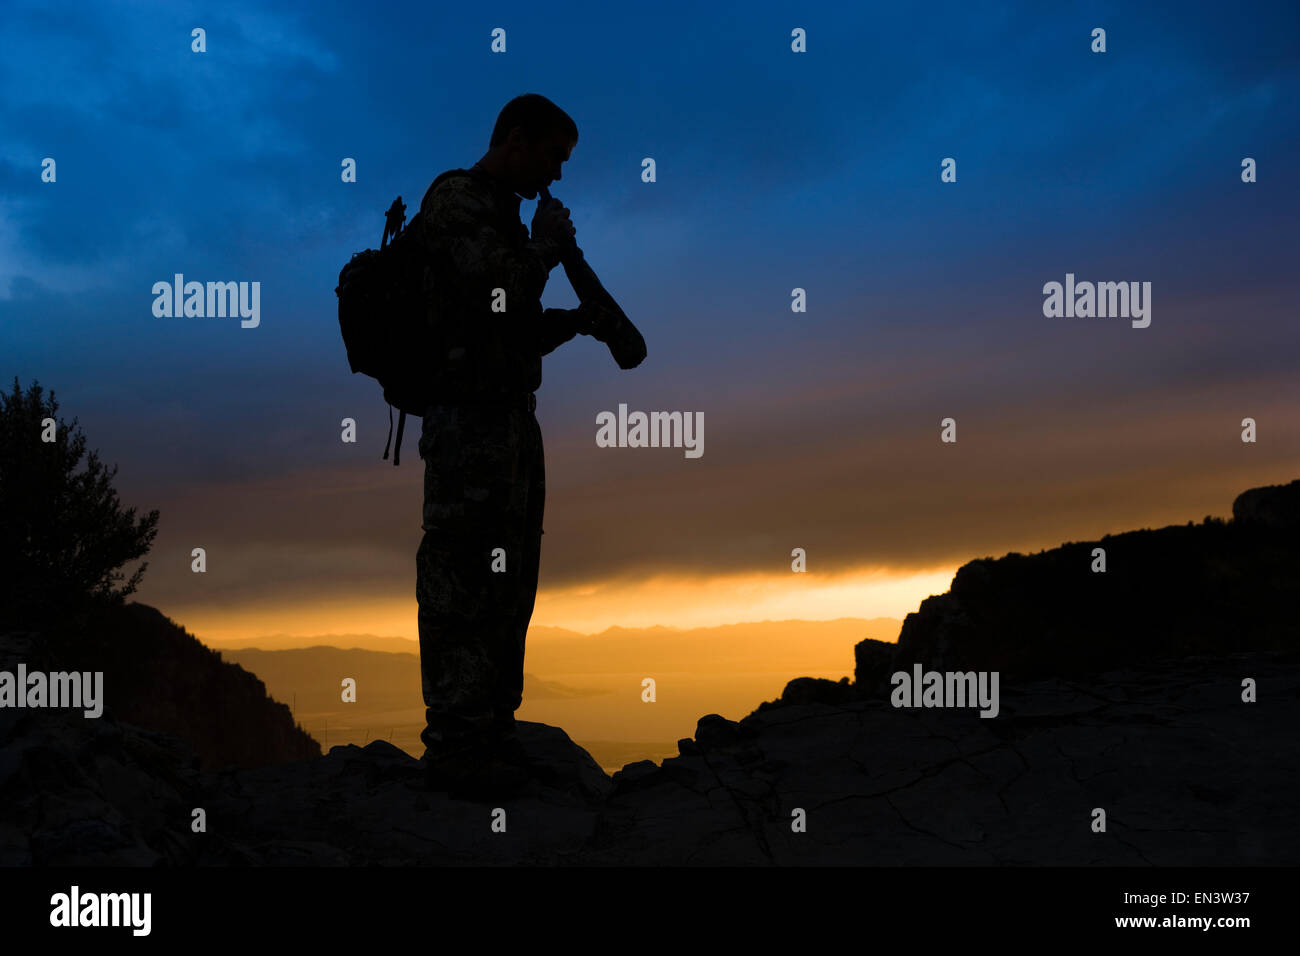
{"points": [[1120, 691], [1186, 772]]}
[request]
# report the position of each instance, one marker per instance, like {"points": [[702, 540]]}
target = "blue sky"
{"points": [[775, 170]]}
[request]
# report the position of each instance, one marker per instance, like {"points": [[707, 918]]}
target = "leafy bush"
{"points": [[63, 533]]}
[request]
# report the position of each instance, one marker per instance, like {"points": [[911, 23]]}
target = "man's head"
{"points": [[531, 140]]}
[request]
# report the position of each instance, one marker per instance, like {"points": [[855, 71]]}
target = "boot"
{"points": [[512, 751], [505, 743], [474, 772], [508, 748]]}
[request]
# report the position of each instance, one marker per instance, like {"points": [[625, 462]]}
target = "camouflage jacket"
{"points": [[475, 242]]}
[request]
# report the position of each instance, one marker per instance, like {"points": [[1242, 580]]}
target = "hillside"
{"points": [[158, 676]]}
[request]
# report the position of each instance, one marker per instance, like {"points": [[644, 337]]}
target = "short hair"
{"points": [[537, 115]]}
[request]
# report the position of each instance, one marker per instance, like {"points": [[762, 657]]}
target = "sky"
{"points": [[775, 170]]}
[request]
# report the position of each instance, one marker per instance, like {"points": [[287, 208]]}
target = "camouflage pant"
{"points": [[484, 488]]}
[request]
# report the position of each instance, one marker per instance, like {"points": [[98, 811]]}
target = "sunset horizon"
{"points": [[548, 437], [569, 610]]}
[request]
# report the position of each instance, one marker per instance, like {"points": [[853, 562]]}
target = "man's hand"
{"points": [[551, 221], [597, 320]]}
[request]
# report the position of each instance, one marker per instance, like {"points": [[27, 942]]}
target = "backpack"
{"points": [[383, 318], [383, 315]]}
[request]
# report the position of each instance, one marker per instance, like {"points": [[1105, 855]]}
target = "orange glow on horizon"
{"points": [[666, 600]]}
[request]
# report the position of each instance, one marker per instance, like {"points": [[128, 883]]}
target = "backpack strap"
{"points": [[401, 427], [390, 432]]}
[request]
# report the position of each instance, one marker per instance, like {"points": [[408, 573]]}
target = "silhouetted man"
{"points": [[485, 487], [393, 220]]}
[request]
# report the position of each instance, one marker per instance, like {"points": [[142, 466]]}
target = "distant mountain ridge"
{"points": [[385, 679], [541, 635], [294, 642], [588, 684]]}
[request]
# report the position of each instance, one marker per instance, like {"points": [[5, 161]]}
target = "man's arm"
{"points": [[557, 326], [458, 219]]}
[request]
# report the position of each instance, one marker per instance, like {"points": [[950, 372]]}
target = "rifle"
{"points": [[624, 340]]}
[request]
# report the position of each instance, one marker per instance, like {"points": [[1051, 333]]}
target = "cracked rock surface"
{"points": [[1185, 771]]}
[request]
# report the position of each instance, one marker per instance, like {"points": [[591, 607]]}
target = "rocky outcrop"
{"points": [[1186, 772], [1215, 588], [1162, 693], [1273, 506]]}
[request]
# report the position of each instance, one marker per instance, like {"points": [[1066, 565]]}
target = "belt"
{"points": [[527, 401]]}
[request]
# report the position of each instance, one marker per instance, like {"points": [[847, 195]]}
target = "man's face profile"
{"points": [[540, 162]]}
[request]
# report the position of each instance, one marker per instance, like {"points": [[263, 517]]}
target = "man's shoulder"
{"points": [[455, 190]]}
